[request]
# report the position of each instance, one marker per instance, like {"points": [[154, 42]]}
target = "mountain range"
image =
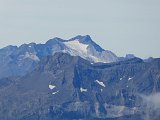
{"points": [[76, 80], [20, 60]]}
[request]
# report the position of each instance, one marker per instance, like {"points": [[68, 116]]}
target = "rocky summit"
{"points": [[18, 61]]}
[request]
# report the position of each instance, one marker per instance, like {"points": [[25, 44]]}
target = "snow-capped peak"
{"points": [[84, 47]]}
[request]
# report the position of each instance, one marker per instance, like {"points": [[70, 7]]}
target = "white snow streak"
{"points": [[55, 92], [101, 83], [130, 78]]}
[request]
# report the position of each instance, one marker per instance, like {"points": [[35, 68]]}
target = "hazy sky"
{"points": [[122, 26]]}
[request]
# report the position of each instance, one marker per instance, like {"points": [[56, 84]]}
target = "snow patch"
{"points": [[52, 87], [96, 59], [101, 83], [87, 51], [55, 92], [32, 56], [83, 90], [130, 78], [77, 46]]}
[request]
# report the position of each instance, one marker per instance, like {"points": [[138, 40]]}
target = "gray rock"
{"points": [[70, 87]]}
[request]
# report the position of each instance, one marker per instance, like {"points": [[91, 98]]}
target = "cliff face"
{"points": [[68, 87]]}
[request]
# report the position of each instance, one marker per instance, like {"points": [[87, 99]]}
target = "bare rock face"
{"points": [[69, 87]]}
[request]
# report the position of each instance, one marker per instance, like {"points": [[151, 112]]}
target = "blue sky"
{"points": [[122, 26]]}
